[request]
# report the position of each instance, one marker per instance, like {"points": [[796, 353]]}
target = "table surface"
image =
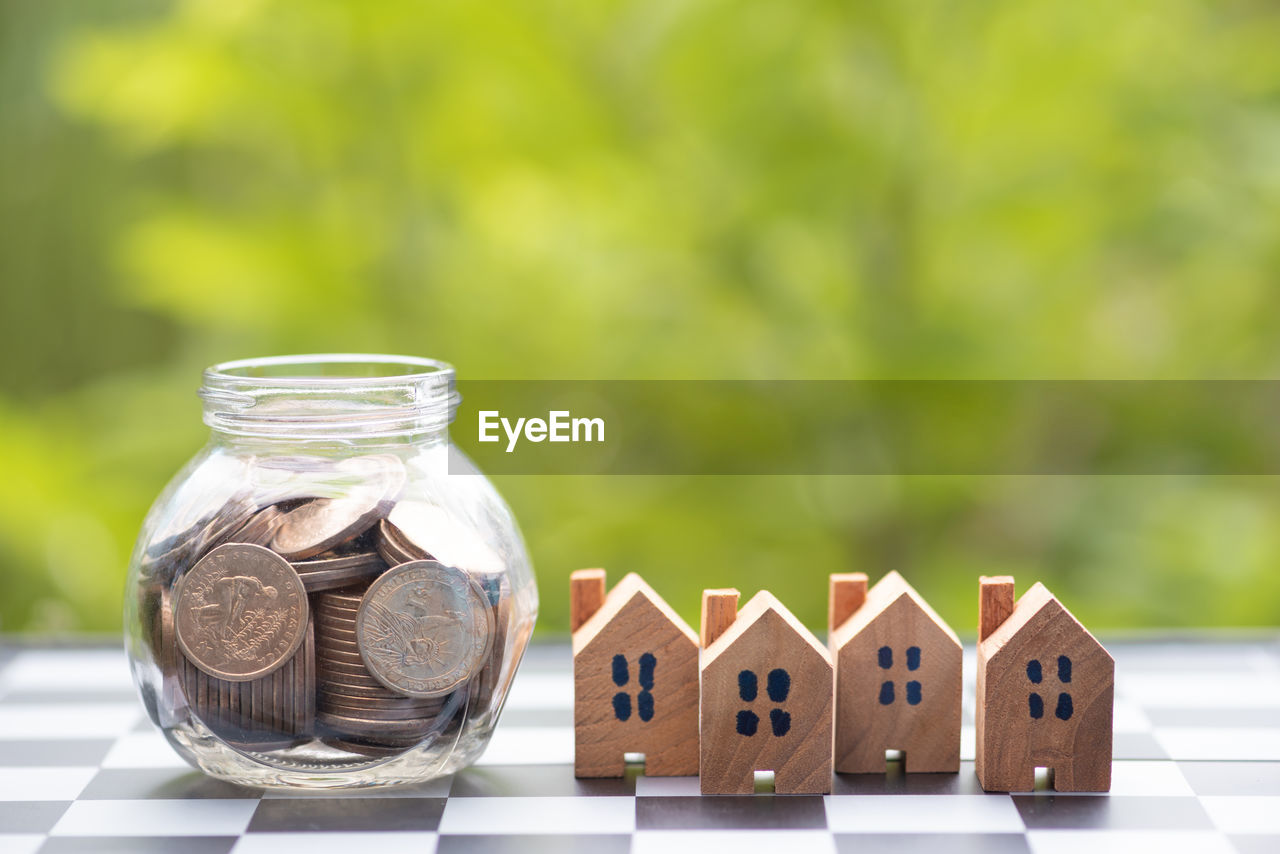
{"points": [[1197, 769]]}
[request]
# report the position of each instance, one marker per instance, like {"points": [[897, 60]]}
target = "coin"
{"points": [[335, 611], [418, 528], [172, 553], [339, 571], [307, 689], [394, 549], [323, 523], [241, 612], [371, 727], [334, 618], [366, 748], [423, 628], [330, 665], [339, 604], [342, 656], [358, 692], [336, 638], [367, 713], [489, 677], [167, 659], [329, 675], [259, 529], [328, 697]]}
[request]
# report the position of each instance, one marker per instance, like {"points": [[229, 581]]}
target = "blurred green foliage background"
{"points": [[656, 189]]}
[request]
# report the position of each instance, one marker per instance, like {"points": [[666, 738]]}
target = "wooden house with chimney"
{"points": [[766, 698], [1044, 696], [898, 680], [635, 677]]}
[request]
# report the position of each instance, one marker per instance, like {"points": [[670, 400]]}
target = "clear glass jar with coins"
{"points": [[329, 594]]}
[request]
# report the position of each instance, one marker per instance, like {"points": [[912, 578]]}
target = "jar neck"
{"points": [[329, 399]]}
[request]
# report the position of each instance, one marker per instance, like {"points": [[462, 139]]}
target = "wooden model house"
{"points": [[635, 677], [1045, 690], [898, 678], [766, 698]]}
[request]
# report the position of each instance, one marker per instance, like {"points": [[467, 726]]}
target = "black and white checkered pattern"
{"points": [[1197, 769]]}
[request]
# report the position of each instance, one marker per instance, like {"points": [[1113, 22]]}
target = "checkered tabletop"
{"points": [[1197, 769]]}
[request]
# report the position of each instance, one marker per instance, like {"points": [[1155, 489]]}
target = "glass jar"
{"points": [[329, 594]]}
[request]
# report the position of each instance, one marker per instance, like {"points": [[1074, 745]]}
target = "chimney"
{"points": [[719, 610], [845, 594], [586, 595], [995, 603]]}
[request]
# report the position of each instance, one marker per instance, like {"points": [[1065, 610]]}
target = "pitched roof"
{"points": [[886, 591], [1031, 603], [618, 598], [760, 604]]}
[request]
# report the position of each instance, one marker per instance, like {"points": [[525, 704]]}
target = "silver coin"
{"points": [[321, 524], [423, 628]]}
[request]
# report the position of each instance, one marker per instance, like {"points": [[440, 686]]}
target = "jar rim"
{"points": [[257, 370], [329, 396]]}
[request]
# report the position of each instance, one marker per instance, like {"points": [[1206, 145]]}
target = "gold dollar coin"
{"points": [[423, 628], [241, 612]]}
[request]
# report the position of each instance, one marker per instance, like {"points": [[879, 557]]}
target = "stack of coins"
{"points": [[358, 711], [334, 570], [267, 636], [418, 531], [247, 645], [268, 713]]}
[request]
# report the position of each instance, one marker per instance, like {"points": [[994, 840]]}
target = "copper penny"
{"points": [[241, 612]]}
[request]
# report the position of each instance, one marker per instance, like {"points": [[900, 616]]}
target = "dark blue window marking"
{"points": [[647, 664], [914, 689], [1064, 709], [644, 706], [622, 675], [747, 685], [779, 685], [913, 693], [886, 693]]}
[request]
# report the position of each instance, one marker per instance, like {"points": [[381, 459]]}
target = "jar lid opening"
{"points": [[331, 396]]}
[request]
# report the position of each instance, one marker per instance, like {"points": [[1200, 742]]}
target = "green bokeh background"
{"points": [[656, 189]]}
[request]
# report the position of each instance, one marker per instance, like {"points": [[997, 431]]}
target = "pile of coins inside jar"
{"points": [[360, 618]]}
